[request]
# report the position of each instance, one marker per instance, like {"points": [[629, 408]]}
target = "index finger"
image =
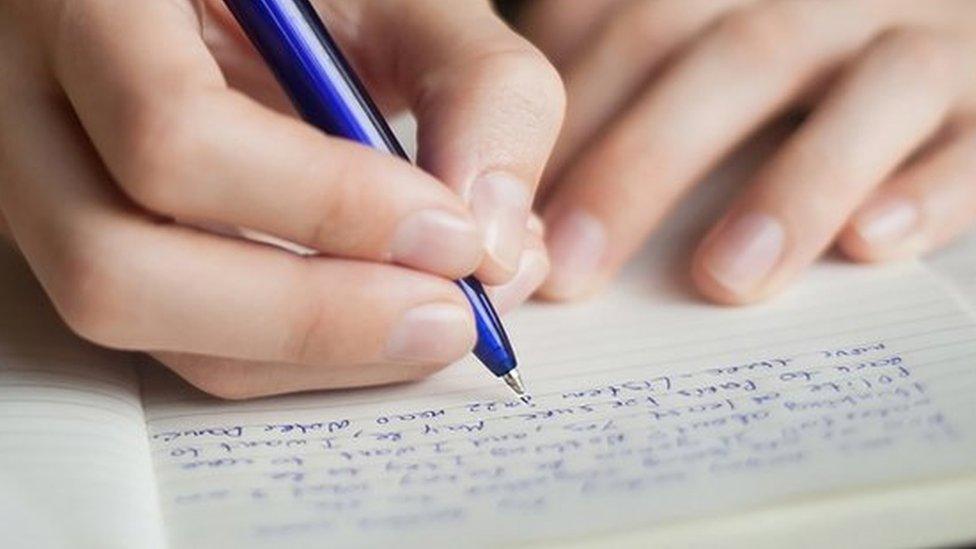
{"points": [[128, 281], [181, 143]]}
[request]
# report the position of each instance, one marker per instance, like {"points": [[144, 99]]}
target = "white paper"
{"points": [[645, 411], [74, 462], [650, 407]]}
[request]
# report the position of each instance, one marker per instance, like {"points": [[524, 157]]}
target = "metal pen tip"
{"points": [[514, 380]]}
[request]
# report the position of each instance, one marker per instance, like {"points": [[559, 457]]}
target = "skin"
{"points": [[660, 91], [127, 164]]}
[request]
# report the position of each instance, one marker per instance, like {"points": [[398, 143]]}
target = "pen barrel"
{"points": [[493, 348], [325, 90]]}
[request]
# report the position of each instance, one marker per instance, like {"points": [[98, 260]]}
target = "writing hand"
{"points": [[121, 121]]}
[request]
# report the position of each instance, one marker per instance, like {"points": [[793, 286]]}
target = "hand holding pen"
{"points": [[111, 135]]}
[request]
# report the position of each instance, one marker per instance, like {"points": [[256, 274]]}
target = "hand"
{"points": [[118, 117], [659, 91]]}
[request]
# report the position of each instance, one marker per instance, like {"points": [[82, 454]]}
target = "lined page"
{"points": [[649, 407], [74, 462]]}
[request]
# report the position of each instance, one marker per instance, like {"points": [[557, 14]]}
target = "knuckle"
{"points": [[554, 91], [917, 52], [552, 85], [629, 39], [309, 337], [636, 22], [81, 298], [341, 202], [532, 87], [759, 32], [636, 18], [159, 151], [303, 348]]}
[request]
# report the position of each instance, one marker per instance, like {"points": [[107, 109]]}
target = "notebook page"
{"points": [[649, 407], [74, 462], [646, 411]]}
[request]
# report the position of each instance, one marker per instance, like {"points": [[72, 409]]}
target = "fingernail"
{"points": [[577, 242], [431, 333], [500, 204], [532, 271], [887, 220], [438, 241], [745, 252]]}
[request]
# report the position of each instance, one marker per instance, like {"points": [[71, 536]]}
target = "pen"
{"points": [[294, 42]]}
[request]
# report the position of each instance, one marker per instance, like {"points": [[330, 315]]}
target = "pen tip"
{"points": [[514, 380]]}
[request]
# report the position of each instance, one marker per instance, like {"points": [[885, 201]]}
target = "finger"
{"points": [[126, 281], [683, 125], [921, 208], [609, 69], [561, 32], [182, 144], [488, 106], [237, 379], [532, 271], [233, 378], [893, 100], [239, 61]]}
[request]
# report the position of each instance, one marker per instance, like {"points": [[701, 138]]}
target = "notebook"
{"points": [[840, 413]]}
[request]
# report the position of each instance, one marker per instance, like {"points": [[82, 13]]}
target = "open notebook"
{"points": [[845, 408], [840, 413]]}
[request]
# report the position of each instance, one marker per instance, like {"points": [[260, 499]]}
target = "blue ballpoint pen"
{"points": [[294, 42]]}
